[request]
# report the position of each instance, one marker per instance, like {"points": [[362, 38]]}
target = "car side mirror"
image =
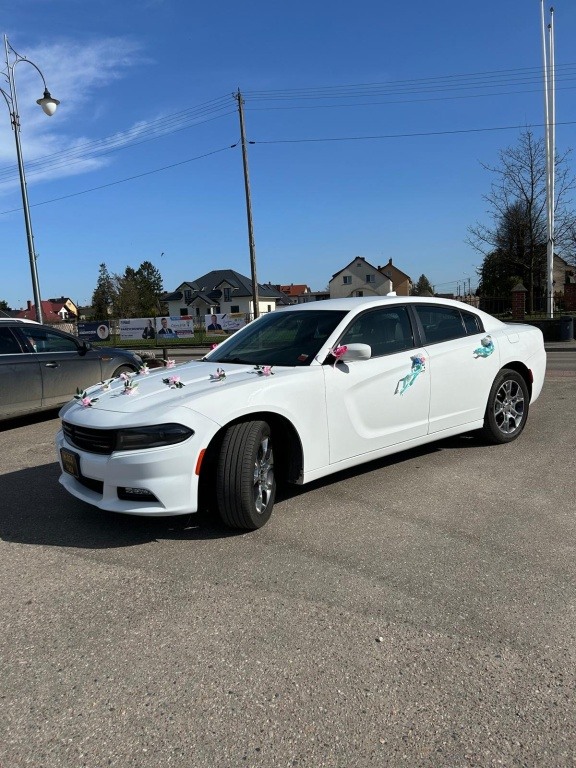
{"points": [[84, 347], [357, 352]]}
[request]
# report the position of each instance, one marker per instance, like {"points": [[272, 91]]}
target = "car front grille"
{"points": [[100, 441]]}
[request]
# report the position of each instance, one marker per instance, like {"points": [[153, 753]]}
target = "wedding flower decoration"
{"points": [[130, 386], [220, 375], [85, 400], [264, 370], [169, 363], [418, 366], [486, 349], [174, 382], [338, 352], [143, 370], [213, 346]]}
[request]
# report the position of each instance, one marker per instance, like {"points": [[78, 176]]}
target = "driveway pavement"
{"points": [[416, 612]]}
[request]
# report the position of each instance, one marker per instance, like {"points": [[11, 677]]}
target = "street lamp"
{"points": [[48, 105]]}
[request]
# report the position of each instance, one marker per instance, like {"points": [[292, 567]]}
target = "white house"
{"points": [[359, 278], [222, 291]]}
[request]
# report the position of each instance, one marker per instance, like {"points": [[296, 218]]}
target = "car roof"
{"points": [[356, 304], [17, 320], [364, 302]]}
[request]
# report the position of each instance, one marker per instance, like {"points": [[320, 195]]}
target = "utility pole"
{"points": [[550, 131], [238, 97]]}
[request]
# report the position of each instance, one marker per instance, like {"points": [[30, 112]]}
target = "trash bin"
{"points": [[566, 328]]}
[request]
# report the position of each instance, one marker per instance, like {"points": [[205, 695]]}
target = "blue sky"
{"points": [[146, 86]]}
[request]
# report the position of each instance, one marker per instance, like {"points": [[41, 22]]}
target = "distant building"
{"points": [[359, 278], [400, 280], [222, 291], [53, 311]]}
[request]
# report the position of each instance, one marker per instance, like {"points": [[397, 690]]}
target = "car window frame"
{"points": [[404, 307], [27, 333], [425, 341]]}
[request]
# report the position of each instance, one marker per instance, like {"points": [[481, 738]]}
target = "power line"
{"points": [[122, 181], [137, 135], [404, 135]]}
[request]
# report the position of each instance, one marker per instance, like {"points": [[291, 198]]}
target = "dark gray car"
{"points": [[41, 367]]}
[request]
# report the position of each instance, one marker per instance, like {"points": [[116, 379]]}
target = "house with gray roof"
{"points": [[222, 291]]}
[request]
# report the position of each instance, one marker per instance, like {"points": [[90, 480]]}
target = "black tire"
{"points": [[507, 408], [245, 482], [123, 369]]}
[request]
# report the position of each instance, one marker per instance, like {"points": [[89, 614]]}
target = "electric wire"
{"points": [[122, 181]]}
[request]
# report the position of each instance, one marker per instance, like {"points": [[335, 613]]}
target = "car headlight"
{"points": [[154, 436]]}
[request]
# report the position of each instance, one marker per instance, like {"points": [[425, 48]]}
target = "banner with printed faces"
{"points": [[224, 323], [159, 329], [93, 331]]}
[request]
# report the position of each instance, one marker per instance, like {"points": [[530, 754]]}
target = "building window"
{"points": [[269, 307], [370, 278], [187, 296], [183, 311], [235, 308], [347, 280], [359, 293], [227, 292]]}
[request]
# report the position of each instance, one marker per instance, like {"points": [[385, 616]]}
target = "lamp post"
{"points": [[48, 105]]}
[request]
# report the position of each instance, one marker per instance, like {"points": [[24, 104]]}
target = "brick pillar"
{"points": [[518, 302], [570, 297]]}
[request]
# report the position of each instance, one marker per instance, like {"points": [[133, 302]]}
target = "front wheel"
{"points": [[245, 482], [123, 369], [507, 409]]}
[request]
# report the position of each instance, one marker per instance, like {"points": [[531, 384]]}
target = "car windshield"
{"points": [[280, 338]]}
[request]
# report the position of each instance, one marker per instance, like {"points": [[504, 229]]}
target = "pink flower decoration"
{"points": [[213, 346], [86, 402], [125, 378], [174, 379], [267, 370], [338, 352], [144, 370], [170, 363]]}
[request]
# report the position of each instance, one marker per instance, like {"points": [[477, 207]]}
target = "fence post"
{"points": [[518, 302]]}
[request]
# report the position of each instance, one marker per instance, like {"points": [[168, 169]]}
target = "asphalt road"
{"points": [[417, 612]]}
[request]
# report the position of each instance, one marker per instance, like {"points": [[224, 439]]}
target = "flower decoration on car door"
{"points": [[264, 370], [418, 367], [220, 375], [486, 349]]}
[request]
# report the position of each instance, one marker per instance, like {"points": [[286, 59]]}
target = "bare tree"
{"points": [[517, 235]]}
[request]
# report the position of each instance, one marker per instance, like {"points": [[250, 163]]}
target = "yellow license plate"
{"points": [[70, 463]]}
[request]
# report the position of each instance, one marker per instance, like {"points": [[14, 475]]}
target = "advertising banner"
{"points": [[93, 331], [227, 323]]}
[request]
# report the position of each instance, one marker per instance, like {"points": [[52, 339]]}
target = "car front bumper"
{"points": [[168, 473]]}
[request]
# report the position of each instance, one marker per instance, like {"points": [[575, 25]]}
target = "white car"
{"points": [[294, 396]]}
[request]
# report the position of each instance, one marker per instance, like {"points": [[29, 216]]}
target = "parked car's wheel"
{"points": [[122, 369], [507, 409], [245, 482]]}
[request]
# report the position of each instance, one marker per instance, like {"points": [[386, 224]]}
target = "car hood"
{"points": [[196, 385]]}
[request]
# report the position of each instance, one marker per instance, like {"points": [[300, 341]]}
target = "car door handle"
{"points": [[51, 365]]}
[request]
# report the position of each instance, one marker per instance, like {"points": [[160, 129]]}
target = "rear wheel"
{"points": [[245, 482], [507, 409]]}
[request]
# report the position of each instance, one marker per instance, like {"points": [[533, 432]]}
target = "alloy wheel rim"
{"points": [[263, 475], [509, 407]]}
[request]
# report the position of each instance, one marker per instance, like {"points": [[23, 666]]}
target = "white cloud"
{"points": [[73, 72]]}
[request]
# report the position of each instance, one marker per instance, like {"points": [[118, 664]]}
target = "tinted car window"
{"points": [[386, 330], [8, 342], [440, 323], [472, 323], [50, 341]]}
